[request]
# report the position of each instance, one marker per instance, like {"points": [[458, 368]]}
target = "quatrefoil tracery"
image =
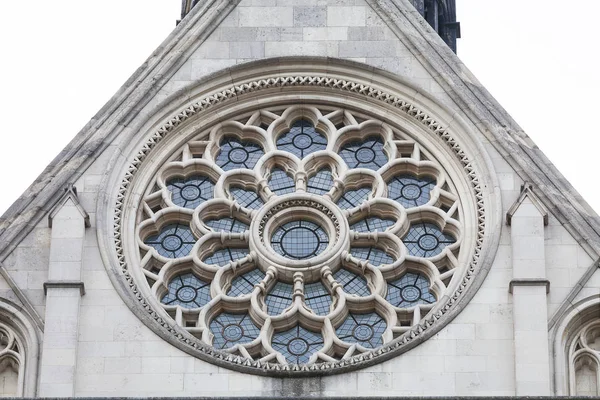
{"points": [[397, 256]]}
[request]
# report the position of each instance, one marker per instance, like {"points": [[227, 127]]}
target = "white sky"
{"points": [[63, 59]]}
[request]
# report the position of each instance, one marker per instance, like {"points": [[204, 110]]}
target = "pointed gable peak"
{"points": [[70, 196], [527, 196]]}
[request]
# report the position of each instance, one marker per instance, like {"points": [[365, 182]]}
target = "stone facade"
{"points": [[523, 323]]}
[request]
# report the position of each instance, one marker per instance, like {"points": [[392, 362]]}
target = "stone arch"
{"points": [[19, 351], [576, 348]]}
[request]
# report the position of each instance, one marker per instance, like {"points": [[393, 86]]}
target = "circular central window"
{"points": [[299, 240]]}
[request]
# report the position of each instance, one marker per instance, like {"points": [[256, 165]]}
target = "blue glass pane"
{"points": [[352, 283], [227, 225], [190, 192], [187, 291], [373, 255], [372, 224], [232, 329], [353, 198], [280, 182], [237, 154], [279, 298], [173, 241], [247, 198], [410, 191], [408, 291], [426, 240], [297, 345], [321, 182], [364, 329], [299, 240], [368, 154], [225, 256], [244, 284], [317, 298], [302, 139]]}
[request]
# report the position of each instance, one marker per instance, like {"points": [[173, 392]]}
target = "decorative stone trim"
{"points": [[64, 285], [529, 282], [342, 86]]}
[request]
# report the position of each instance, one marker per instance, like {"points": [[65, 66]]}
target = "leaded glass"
{"points": [[279, 298], [299, 240], [372, 224], [192, 191], [353, 198], [268, 249], [297, 345], [302, 139], [244, 284], [231, 329], [187, 291], [368, 154], [373, 255], [246, 198], [410, 191], [173, 241], [280, 182], [227, 225], [237, 154], [225, 256], [408, 291], [426, 240], [364, 329], [317, 298], [352, 283], [321, 182]]}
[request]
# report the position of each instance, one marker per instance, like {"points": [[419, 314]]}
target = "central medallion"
{"points": [[299, 240], [299, 233]]}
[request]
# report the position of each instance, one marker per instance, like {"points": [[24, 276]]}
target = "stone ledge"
{"points": [[529, 282], [63, 285]]}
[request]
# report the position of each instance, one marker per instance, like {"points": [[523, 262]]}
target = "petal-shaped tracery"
{"points": [[317, 298], [328, 255], [352, 283], [302, 139], [280, 182], [298, 344], [373, 255], [187, 291], [321, 182], [173, 241], [353, 198], [408, 291], [372, 224], [192, 191], [409, 190], [367, 154], [227, 225], [426, 240], [279, 298], [364, 329], [225, 256], [234, 153], [231, 329], [246, 198], [244, 284]]}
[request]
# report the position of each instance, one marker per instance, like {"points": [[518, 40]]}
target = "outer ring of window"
{"points": [[359, 74]]}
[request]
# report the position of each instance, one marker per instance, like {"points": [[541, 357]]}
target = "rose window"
{"points": [[300, 236]]}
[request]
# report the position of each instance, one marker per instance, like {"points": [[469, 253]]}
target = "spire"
{"points": [[441, 15]]}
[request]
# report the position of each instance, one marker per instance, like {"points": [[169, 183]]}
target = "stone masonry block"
{"points": [[310, 16], [336, 33], [346, 16], [266, 16], [247, 50], [366, 49]]}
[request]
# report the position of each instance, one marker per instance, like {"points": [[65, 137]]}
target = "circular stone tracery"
{"points": [[299, 240], [340, 235]]}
